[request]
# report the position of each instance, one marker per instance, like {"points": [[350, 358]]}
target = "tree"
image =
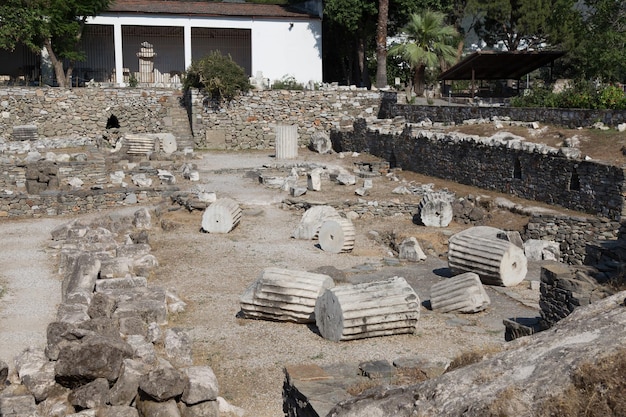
{"points": [[522, 24], [53, 25], [430, 44], [381, 43], [599, 50], [218, 76]]}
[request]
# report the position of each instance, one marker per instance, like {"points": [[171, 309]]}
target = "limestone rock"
{"points": [[201, 386], [124, 391], [93, 357], [411, 250], [18, 406], [36, 372], [92, 395], [149, 407], [320, 142], [178, 347], [163, 383], [142, 219], [542, 250], [203, 409]]}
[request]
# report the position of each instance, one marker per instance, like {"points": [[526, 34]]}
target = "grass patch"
{"points": [[472, 356], [597, 390]]}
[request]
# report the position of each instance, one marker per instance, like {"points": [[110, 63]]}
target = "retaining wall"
{"points": [[571, 118], [527, 170], [85, 111], [249, 121]]}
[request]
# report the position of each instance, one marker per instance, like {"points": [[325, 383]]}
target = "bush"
{"points": [[288, 82], [218, 76], [580, 95]]}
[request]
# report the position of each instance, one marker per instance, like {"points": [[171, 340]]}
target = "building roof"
{"points": [[497, 65], [208, 8]]}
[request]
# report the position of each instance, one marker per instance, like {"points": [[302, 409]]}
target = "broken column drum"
{"points": [[463, 293], [496, 261], [337, 235], [435, 209], [380, 308], [284, 295], [221, 216], [286, 142]]}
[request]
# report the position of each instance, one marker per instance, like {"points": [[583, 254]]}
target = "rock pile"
{"points": [[107, 353]]}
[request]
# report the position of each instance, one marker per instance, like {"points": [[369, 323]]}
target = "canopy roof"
{"points": [[497, 65]]}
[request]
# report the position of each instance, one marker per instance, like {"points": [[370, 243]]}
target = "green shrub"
{"points": [[218, 76], [580, 95], [288, 82], [537, 97], [612, 97]]}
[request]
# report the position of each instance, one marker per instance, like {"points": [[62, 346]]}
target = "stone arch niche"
{"points": [[113, 122], [574, 181], [517, 169]]}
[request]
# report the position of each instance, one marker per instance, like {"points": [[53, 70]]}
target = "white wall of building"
{"points": [[278, 48]]}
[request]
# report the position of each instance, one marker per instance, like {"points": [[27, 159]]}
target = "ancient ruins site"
{"points": [[316, 275]]}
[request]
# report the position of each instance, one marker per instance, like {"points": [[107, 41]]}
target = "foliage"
{"points": [[431, 44], [522, 24], [56, 25], [218, 76], [348, 26], [132, 81], [598, 52], [288, 82], [580, 95]]}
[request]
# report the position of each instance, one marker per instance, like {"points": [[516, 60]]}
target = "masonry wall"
{"points": [[530, 171], [84, 111], [571, 118], [249, 121]]}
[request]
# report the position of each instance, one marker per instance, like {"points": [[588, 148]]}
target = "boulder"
{"points": [[163, 383], [90, 358], [320, 142], [201, 385], [124, 391], [92, 395], [178, 347]]}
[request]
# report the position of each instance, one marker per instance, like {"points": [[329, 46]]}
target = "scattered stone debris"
{"points": [[411, 250]]}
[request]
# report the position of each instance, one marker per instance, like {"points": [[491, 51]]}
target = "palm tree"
{"points": [[430, 43]]}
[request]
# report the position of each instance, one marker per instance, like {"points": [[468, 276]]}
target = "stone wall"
{"points": [[249, 121], [571, 118], [84, 111], [527, 170], [573, 233]]}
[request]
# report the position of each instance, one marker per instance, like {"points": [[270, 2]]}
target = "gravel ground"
{"points": [[32, 290], [211, 271]]}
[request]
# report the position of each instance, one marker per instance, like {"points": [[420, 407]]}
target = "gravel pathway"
{"points": [[31, 288]]}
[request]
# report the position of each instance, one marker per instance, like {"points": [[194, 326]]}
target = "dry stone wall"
{"points": [[573, 233], [571, 118], [528, 170], [249, 121], [84, 111]]}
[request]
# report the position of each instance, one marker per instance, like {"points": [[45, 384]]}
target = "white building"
{"points": [[272, 40]]}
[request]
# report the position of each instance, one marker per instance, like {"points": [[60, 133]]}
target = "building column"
{"points": [[119, 55], [187, 41]]}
